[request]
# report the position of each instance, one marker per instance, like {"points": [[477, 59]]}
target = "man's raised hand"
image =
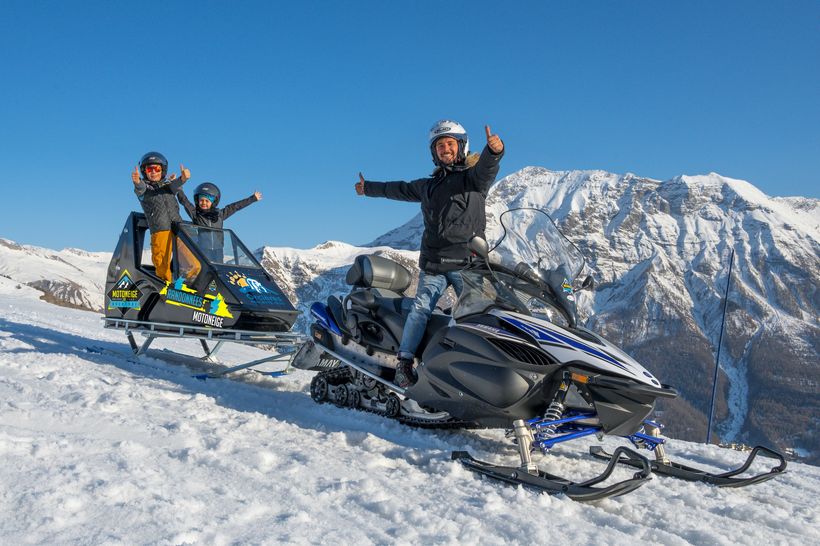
{"points": [[493, 142], [360, 185]]}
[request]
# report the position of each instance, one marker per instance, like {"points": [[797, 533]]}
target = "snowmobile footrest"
{"points": [[579, 491], [726, 479]]}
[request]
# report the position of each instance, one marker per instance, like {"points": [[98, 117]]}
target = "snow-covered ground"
{"points": [[101, 447]]}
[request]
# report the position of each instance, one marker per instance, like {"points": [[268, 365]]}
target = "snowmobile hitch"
{"points": [[666, 467]]}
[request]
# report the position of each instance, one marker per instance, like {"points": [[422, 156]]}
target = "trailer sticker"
{"points": [[124, 295], [207, 319], [182, 295], [255, 291]]}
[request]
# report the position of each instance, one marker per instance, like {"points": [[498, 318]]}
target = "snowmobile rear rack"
{"points": [[285, 343], [578, 491], [688, 473]]}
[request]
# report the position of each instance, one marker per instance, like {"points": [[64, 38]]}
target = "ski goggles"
{"points": [[209, 197], [153, 168]]}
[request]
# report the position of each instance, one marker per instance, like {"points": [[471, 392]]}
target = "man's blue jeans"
{"points": [[430, 289]]}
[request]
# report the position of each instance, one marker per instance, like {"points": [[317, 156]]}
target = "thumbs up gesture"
{"points": [[186, 173], [135, 176], [360, 185], [493, 142]]}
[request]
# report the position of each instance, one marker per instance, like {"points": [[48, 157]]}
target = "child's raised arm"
{"points": [[187, 205], [239, 205]]}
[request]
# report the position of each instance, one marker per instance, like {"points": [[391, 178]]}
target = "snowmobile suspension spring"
{"points": [[553, 413], [556, 407]]}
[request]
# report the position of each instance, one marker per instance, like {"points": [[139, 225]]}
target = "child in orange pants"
{"points": [[157, 195]]}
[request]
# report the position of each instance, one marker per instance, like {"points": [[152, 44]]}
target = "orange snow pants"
{"points": [[161, 257]]}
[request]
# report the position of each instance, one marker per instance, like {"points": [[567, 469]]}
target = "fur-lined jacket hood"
{"points": [[470, 161]]}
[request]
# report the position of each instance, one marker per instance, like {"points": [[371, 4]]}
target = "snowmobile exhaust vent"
{"points": [[523, 353]]}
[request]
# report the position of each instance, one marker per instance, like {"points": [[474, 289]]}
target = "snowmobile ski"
{"points": [[579, 491], [688, 473]]}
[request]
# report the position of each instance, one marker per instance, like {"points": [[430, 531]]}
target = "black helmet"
{"points": [[153, 158], [207, 189]]}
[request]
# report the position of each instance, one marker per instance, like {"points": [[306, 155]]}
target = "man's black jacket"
{"points": [[453, 206]]}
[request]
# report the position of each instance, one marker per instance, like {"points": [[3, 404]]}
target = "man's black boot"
{"points": [[405, 375]]}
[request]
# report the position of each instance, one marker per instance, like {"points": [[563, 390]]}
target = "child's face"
{"points": [[153, 172], [204, 203]]}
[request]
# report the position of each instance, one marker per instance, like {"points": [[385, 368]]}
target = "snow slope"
{"points": [[100, 447]]}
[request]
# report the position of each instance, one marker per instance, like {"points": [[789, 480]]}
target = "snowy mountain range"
{"points": [[659, 252]]}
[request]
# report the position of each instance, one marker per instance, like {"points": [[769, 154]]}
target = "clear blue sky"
{"points": [[294, 99]]}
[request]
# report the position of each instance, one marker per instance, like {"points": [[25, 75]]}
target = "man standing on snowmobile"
{"points": [[453, 206], [156, 195]]}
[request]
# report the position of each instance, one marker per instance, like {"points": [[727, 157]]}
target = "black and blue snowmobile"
{"points": [[220, 289], [510, 354]]}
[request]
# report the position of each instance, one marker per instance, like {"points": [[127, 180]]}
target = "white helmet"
{"points": [[451, 129]]}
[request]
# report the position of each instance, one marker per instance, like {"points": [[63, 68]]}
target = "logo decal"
{"points": [[125, 295], [207, 319], [183, 296], [255, 291], [567, 288]]}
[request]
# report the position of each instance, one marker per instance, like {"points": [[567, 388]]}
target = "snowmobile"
{"points": [[510, 354], [221, 294]]}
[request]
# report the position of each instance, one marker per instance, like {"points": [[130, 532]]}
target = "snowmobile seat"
{"points": [[371, 271], [379, 284]]}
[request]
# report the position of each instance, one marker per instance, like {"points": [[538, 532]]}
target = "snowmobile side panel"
{"points": [[467, 375]]}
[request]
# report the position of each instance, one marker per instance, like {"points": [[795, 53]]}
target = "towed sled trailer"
{"points": [[219, 294]]}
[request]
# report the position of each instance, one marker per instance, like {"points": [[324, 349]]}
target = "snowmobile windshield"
{"points": [[529, 237], [220, 246], [532, 269]]}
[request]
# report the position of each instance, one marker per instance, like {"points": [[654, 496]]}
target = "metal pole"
{"points": [[720, 343]]}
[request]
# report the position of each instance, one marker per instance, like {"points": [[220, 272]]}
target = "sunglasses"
{"points": [[153, 168]]}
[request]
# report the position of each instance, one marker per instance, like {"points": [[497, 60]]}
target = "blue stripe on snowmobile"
{"points": [[542, 334], [319, 311]]}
